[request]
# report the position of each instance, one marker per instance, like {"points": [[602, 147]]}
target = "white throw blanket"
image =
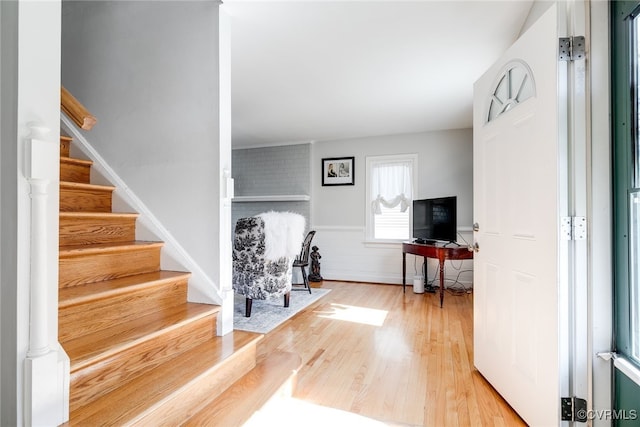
{"points": [[283, 234]]}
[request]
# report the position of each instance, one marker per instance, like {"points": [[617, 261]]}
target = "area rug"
{"points": [[267, 314]]}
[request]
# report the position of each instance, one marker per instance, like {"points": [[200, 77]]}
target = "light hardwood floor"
{"points": [[372, 355]]}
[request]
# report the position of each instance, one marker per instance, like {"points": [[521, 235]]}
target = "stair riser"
{"points": [[73, 172], [81, 200], [189, 399], [176, 388], [229, 413], [92, 382], [81, 319], [85, 231], [64, 147], [271, 380], [95, 267]]}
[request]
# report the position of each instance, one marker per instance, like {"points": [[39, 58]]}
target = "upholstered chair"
{"points": [[264, 249]]}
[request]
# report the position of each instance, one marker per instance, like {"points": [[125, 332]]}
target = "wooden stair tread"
{"points": [[129, 404], [91, 291], [79, 250], [98, 345], [68, 185], [75, 161], [253, 390]]}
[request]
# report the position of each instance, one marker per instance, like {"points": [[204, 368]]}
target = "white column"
{"points": [[38, 333], [46, 366]]}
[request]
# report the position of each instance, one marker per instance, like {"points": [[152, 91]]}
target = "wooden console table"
{"points": [[441, 253]]}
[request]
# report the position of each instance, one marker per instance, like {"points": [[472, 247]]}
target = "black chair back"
{"points": [[306, 248]]}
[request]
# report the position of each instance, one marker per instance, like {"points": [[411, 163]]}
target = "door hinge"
{"points": [[571, 48], [573, 409], [573, 228]]}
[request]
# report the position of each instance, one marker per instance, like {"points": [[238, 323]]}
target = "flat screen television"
{"points": [[435, 220]]}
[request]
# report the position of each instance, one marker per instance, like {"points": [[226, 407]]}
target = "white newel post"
{"points": [[46, 365]]}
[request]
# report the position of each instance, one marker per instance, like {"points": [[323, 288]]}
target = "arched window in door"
{"points": [[514, 85]]}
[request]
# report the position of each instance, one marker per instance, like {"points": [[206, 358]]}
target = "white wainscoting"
{"points": [[347, 256]]}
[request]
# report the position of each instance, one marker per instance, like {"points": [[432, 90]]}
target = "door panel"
{"points": [[516, 182]]}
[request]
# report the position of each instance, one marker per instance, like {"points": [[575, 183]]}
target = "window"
{"points": [[390, 189], [627, 180]]}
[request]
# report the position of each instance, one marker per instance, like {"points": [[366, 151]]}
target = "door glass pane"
{"points": [[634, 272], [634, 202]]}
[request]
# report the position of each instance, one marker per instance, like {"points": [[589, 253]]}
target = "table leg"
{"points": [[429, 288], [404, 270], [441, 282]]}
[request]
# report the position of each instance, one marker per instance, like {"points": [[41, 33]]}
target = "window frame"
{"points": [[369, 216], [626, 71]]}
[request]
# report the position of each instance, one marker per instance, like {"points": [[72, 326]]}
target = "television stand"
{"points": [[441, 253]]}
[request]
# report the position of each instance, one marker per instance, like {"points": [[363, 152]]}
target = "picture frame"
{"points": [[338, 171]]}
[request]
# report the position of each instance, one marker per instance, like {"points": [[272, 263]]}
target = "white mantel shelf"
{"points": [[277, 198]]}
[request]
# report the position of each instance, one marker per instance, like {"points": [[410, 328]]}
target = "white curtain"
{"points": [[391, 185]]}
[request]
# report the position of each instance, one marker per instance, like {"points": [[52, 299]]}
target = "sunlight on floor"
{"points": [[294, 412], [350, 313]]}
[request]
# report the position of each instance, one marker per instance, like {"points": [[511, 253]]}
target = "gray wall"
{"points": [[280, 170], [445, 167], [149, 72]]}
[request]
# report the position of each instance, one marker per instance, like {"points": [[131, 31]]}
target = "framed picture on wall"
{"points": [[338, 171]]}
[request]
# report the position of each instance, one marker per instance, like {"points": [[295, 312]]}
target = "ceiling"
{"points": [[306, 71]]}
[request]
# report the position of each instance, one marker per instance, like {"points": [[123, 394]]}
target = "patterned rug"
{"points": [[267, 314]]}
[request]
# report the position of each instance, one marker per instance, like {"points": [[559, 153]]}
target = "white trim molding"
{"points": [[275, 198]]}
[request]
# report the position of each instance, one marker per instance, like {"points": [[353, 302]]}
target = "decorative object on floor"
{"points": [[270, 313], [302, 260], [264, 248], [315, 265], [338, 171]]}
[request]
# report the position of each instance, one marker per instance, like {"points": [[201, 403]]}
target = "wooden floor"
{"points": [[372, 355]]}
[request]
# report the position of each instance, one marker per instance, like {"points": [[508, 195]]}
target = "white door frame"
{"points": [[589, 196], [578, 172], [600, 297], [585, 265]]}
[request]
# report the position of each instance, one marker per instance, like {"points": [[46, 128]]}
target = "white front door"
{"points": [[517, 178]]}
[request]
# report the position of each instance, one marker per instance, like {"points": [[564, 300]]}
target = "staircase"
{"points": [[140, 353]]}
